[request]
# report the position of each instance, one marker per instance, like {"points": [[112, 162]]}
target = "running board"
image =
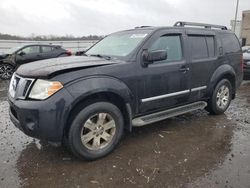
{"points": [[158, 116]]}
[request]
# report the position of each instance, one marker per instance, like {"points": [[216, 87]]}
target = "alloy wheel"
{"points": [[222, 98], [98, 131], [6, 71]]}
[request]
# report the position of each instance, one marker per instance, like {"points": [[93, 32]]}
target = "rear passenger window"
{"points": [[198, 47], [170, 43], [230, 43], [202, 46], [46, 49]]}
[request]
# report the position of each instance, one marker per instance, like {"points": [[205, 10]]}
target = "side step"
{"points": [[158, 116]]}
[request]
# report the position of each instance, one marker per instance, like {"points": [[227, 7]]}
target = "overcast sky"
{"points": [[101, 17]]}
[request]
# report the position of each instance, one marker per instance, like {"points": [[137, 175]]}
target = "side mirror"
{"points": [[21, 53], [150, 57]]}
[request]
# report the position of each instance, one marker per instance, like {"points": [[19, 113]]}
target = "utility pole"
{"points": [[236, 13]]}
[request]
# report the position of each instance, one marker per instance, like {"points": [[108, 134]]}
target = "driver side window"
{"points": [[31, 50], [172, 44]]}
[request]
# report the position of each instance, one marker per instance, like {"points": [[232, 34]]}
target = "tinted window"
{"points": [[230, 43], [210, 46], [198, 47], [31, 50], [170, 43], [46, 49]]}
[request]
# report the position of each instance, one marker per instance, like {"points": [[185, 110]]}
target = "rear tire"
{"points": [[6, 71], [221, 98], [95, 131]]}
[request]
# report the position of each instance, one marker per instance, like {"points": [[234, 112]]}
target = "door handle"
{"points": [[184, 69]]}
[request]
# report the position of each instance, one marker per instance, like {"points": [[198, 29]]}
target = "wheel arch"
{"points": [[223, 72], [101, 96]]}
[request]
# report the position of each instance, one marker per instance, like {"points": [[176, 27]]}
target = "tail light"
{"points": [[242, 63], [69, 53]]}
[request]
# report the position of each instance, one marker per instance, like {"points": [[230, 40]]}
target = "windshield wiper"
{"points": [[101, 56]]}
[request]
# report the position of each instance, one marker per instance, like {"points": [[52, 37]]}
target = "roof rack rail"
{"points": [[207, 26], [143, 26]]}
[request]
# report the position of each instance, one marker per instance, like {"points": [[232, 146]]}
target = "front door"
{"points": [[28, 54], [164, 84]]}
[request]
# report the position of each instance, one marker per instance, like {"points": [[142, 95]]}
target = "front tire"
{"points": [[96, 131], [221, 98], [6, 71]]}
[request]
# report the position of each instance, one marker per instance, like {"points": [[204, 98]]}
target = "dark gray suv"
{"points": [[130, 78]]}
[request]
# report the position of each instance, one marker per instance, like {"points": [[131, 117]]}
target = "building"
{"points": [[245, 28], [236, 27]]}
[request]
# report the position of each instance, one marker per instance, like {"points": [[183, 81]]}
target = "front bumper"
{"points": [[44, 120]]}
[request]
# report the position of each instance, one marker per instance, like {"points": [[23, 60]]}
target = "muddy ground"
{"points": [[192, 150]]}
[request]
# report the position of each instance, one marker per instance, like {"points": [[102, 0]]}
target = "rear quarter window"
{"points": [[211, 46], [230, 43]]}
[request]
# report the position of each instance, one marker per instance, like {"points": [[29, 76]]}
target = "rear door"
{"points": [[48, 52], [202, 62], [164, 84]]}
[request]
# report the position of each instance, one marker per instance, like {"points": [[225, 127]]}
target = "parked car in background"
{"points": [[81, 52], [246, 59], [245, 49], [17, 56]]}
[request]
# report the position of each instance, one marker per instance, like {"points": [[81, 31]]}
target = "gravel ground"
{"points": [[192, 150]]}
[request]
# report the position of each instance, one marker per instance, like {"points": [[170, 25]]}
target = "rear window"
{"points": [[230, 43]]}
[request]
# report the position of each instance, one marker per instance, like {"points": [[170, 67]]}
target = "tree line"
{"points": [[49, 37]]}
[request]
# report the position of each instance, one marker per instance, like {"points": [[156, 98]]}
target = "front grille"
{"points": [[19, 86], [26, 88]]}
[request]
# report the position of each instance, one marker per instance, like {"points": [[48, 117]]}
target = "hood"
{"points": [[45, 68], [3, 56]]}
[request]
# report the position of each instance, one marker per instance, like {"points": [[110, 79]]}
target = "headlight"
{"points": [[42, 89]]}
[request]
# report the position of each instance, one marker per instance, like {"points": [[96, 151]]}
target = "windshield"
{"points": [[118, 44], [12, 50]]}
